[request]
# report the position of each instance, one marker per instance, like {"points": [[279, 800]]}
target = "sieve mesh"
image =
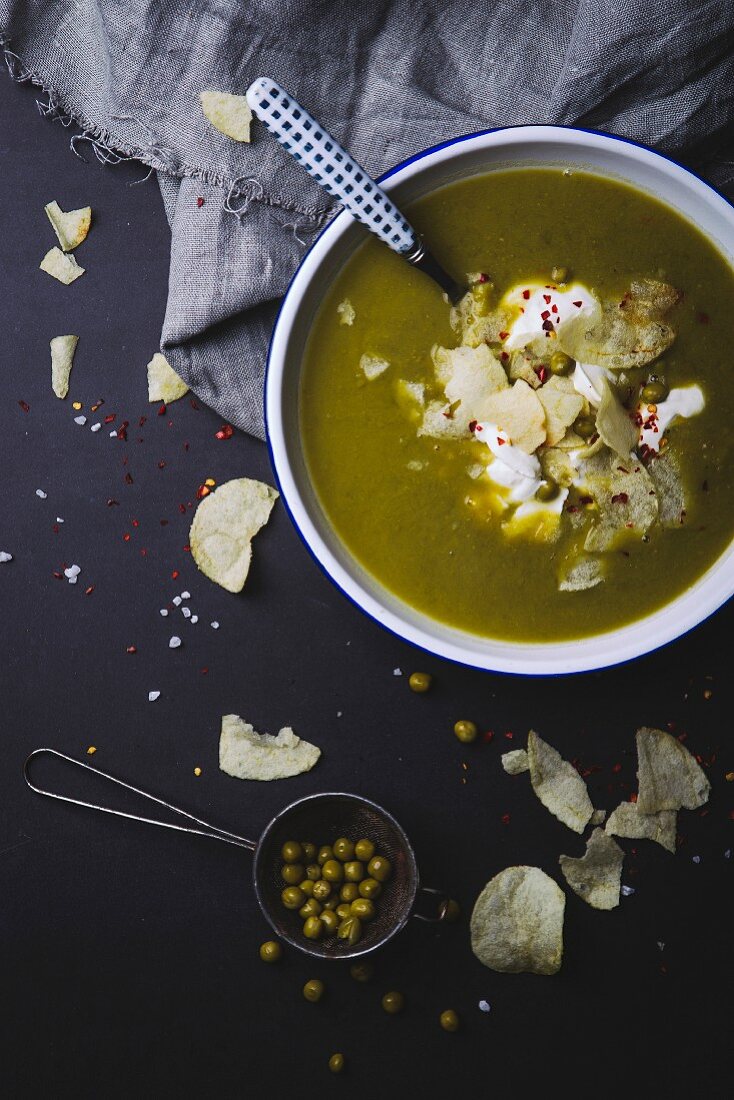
{"points": [[321, 819]]}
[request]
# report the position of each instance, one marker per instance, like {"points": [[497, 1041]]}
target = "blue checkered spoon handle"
{"points": [[339, 174]]}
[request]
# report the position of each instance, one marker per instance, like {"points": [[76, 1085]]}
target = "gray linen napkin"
{"points": [[387, 78]]}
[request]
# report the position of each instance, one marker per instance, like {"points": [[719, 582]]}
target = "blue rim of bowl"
{"points": [[381, 179]]}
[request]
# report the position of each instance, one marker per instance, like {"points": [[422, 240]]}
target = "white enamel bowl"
{"points": [[524, 146]]}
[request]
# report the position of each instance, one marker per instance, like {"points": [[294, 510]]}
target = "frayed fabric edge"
{"points": [[111, 150]]}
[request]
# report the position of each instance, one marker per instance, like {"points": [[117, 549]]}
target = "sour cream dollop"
{"points": [[510, 468], [684, 401], [542, 310]]}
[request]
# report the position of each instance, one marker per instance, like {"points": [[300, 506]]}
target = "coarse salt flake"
{"points": [[696, 859], [627, 891], [80, 420], [113, 434], [186, 612], [59, 519], [177, 601], [397, 672], [175, 642], [484, 1006], [194, 618], [164, 611], [5, 556], [215, 625], [40, 493], [153, 695], [185, 595], [95, 427]]}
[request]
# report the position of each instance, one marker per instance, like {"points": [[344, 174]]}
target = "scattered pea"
{"points": [[654, 392], [466, 732], [332, 871], [349, 891], [292, 852], [354, 871], [270, 951], [362, 908], [370, 888], [449, 1020], [325, 854], [350, 930], [364, 850], [293, 897], [330, 921], [361, 971], [309, 852], [336, 1063], [343, 849], [307, 886], [292, 873], [450, 911], [310, 908], [313, 990], [393, 1002], [420, 682], [379, 867], [313, 928]]}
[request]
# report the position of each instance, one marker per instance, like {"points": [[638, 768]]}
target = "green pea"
{"points": [[343, 849], [393, 1002], [354, 871], [270, 951], [362, 908], [370, 888], [364, 850], [325, 853], [585, 426], [336, 1063], [466, 731], [654, 392], [310, 908], [560, 363], [314, 990], [379, 867], [330, 921], [349, 891], [292, 852], [449, 1020], [350, 930], [293, 897], [420, 682], [332, 902], [361, 971], [450, 911], [547, 490], [309, 851], [292, 873], [313, 929], [307, 886], [343, 910], [559, 274], [321, 889], [332, 871], [313, 871]]}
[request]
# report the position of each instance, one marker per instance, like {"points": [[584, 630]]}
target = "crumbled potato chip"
{"points": [[628, 821], [439, 422], [373, 366], [61, 266], [570, 442], [469, 376], [562, 404], [346, 312], [411, 398], [224, 525], [628, 503], [558, 785], [477, 324], [71, 227], [597, 875], [518, 412], [584, 573], [230, 114], [245, 754], [520, 365], [557, 465], [669, 777], [515, 762], [517, 922], [598, 817], [613, 422], [62, 359], [665, 475], [163, 382], [627, 334]]}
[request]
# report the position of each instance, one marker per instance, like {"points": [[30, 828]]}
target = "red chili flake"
{"points": [[187, 548], [204, 490], [633, 796], [200, 202], [55, 528], [731, 814], [110, 417], [620, 498], [571, 508], [164, 523], [131, 649], [24, 406], [89, 591], [703, 318], [586, 500], [504, 335], [57, 576], [526, 294], [488, 736], [110, 502], [129, 479], [500, 441], [182, 509], [472, 425], [186, 446], [161, 465], [194, 404], [505, 819], [545, 314], [547, 327], [542, 374], [617, 768], [225, 432], [509, 735], [483, 278], [554, 308], [126, 537], [448, 414], [577, 304], [480, 428], [174, 575], [161, 410], [170, 423], [122, 433], [546, 299], [504, 356], [204, 671], [144, 553]]}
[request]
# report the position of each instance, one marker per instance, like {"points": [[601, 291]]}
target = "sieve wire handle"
{"points": [[212, 831]]}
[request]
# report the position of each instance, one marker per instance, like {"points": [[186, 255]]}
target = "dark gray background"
{"points": [[130, 961]]}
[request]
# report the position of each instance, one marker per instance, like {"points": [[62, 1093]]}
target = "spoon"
{"points": [[332, 167]]}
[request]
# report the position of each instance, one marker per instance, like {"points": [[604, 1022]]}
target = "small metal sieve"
{"points": [[319, 818]]}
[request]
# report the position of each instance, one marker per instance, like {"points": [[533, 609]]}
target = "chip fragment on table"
{"points": [[246, 754], [597, 875], [224, 525], [558, 785], [669, 777], [163, 382], [628, 821], [62, 360]]}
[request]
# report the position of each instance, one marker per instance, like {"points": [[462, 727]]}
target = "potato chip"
{"points": [[373, 366], [518, 412], [476, 324], [558, 466], [346, 312], [163, 382], [628, 333], [628, 503], [440, 422], [596, 876], [515, 762], [71, 227], [598, 817], [517, 922], [520, 365], [613, 422], [558, 785], [469, 376], [224, 525], [562, 404], [583, 573], [245, 754], [628, 821], [62, 359], [61, 266], [669, 777], [665, 476], [230, 114]]}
